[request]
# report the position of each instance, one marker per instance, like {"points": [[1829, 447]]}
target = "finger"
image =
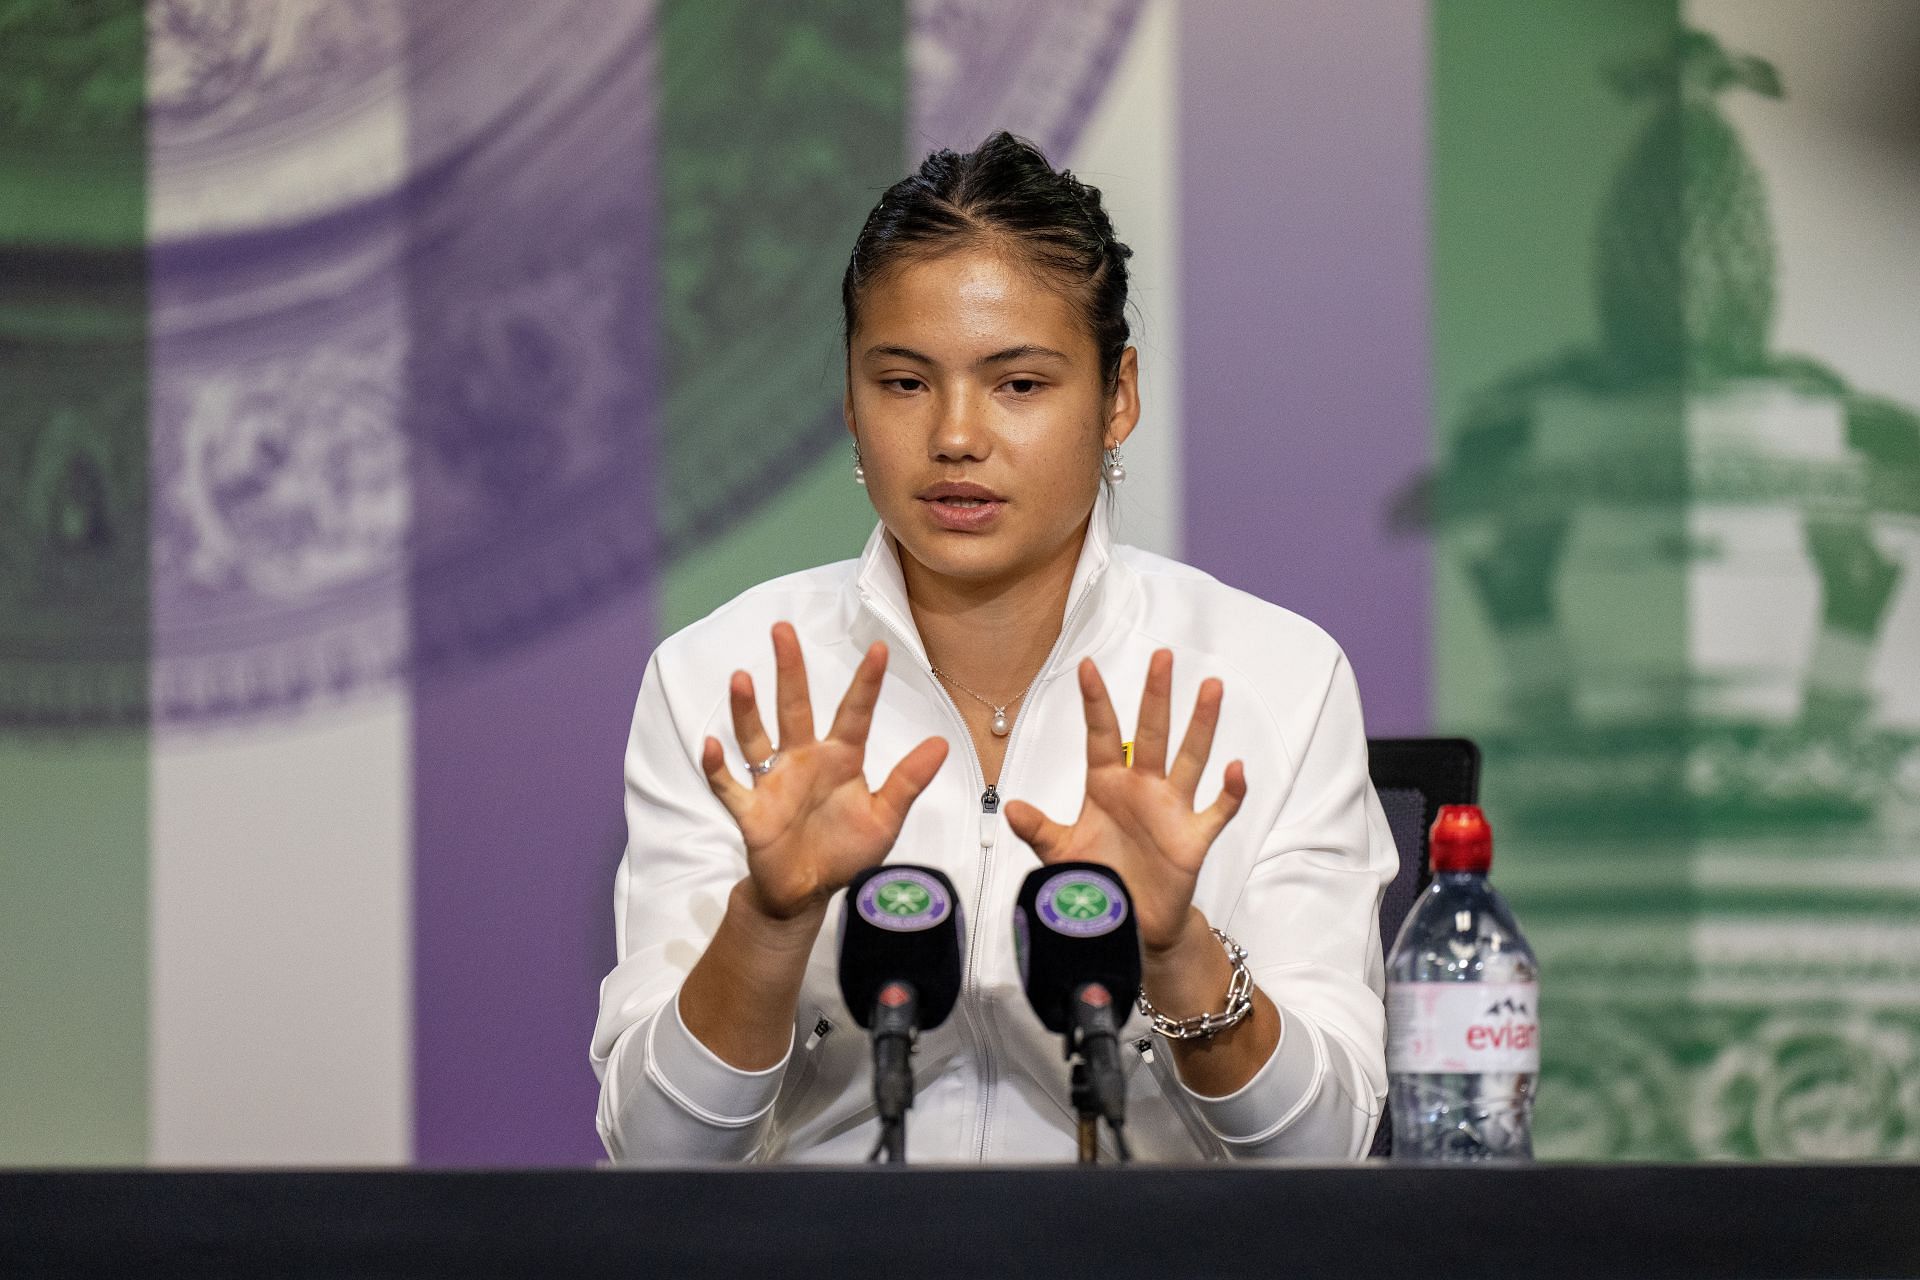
{"points": [[1198, 744], [909, 778], [1047, 837], [855, 716], [1103, 727], [1156, 714], [748, 730], [792, 702], [713, 762], [1232, 791]]}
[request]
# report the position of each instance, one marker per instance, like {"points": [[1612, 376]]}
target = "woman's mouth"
{"points": [[968, 508]]}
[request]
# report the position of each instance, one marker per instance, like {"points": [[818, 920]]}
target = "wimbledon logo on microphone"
{"points": [[1081, 904], [903, 901]]}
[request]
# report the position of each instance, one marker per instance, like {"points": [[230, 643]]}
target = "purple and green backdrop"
{"points": [[379, 382]]}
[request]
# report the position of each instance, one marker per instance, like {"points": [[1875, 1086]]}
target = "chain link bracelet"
{"points": [[1204, 1026]]}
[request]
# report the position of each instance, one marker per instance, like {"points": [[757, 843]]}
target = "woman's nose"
{"points": [[957, 433]]}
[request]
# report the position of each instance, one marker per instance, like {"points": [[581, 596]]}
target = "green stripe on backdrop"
{"points": [[1527, 135], [1561, 623], [73, 584], [779, 126]]}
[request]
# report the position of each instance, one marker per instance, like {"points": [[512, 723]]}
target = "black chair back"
{"points": [[1414, 777]]}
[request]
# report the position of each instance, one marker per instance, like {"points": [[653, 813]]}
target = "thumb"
{"points": [[1047, 837]]}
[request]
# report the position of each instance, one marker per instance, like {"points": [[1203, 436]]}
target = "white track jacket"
{"points": [[1296, 878]]}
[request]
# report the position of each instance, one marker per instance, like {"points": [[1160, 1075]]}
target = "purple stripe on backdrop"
{"points": [[531, 321], [518, 828], [1304, 304]]}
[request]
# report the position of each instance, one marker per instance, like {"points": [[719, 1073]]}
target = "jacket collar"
{"points": [[1092, 598]]}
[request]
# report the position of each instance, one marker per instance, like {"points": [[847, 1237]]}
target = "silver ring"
{"points": [[765, 767]]}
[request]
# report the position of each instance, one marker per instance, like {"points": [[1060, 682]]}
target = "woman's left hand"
{"points": [[1140, 819]]}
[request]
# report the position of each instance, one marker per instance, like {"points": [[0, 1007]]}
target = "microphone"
{"points": [[900, 937], [1079, 952]]}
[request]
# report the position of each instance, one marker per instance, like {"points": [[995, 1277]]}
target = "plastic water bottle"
{"points": [[1463, 1010]]}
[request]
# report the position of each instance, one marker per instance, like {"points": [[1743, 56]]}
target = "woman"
{"points": [[990, 639]]}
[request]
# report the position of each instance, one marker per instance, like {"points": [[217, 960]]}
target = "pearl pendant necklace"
{"points": [[1001, 726]]}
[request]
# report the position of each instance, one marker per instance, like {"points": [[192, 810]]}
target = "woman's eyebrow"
{"points": [[1026, 352], [898, 353]]}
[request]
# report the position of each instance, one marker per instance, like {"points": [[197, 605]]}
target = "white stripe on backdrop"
{"points": [[282, 1010], [1127, 151], [1841, 164], [280, 848]]}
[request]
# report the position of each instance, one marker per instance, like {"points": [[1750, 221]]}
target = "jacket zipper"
{"points": [[970, 983], [990, 805]]}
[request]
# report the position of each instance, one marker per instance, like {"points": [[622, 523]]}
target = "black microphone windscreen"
{"points": [[1073, 924], [901, 924]]}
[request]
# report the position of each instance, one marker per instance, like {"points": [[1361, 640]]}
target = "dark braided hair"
{"points": [[1005, 192]]}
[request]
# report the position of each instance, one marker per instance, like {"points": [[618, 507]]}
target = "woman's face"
{"points": [[974, 395]]}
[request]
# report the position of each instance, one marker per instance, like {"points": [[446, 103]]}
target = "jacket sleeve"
{"points": [[1308, 916], [664, 1097]]}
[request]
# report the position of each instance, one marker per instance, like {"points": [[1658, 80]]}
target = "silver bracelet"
{"points": [[1204, 1026]]}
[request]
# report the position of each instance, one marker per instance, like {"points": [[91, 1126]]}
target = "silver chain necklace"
{"points": [[1001, 726]]}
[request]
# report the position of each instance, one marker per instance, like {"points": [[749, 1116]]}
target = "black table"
{"points": [[1171, 1223]]}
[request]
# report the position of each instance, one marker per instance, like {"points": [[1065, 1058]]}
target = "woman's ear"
{"points": [[846, 414], [1123, 405]]}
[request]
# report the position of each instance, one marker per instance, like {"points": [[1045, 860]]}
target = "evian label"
{"points": [[1463, 1026]]}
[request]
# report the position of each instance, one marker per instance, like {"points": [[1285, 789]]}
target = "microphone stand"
{"points": [[1089, 1113], [1099, 1087], [896, 1014]]}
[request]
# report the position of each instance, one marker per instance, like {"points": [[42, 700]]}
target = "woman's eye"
{"points": [[1022, 386], [903, 384]]}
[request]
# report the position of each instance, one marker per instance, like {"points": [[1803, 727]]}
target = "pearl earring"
{"points": [[859, 472], [1116, 470]]}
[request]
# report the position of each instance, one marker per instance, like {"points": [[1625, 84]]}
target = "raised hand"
{"points": [[810, 823], [1140, 820]]}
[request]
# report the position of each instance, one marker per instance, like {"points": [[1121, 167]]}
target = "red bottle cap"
{"points": [[1460, 840]]}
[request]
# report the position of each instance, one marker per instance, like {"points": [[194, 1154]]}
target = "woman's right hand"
{"points": [[810, 823]]}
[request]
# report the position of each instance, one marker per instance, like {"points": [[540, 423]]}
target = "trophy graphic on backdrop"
{"points": [[1679, 537], [354, 341], [1694, 559]]}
